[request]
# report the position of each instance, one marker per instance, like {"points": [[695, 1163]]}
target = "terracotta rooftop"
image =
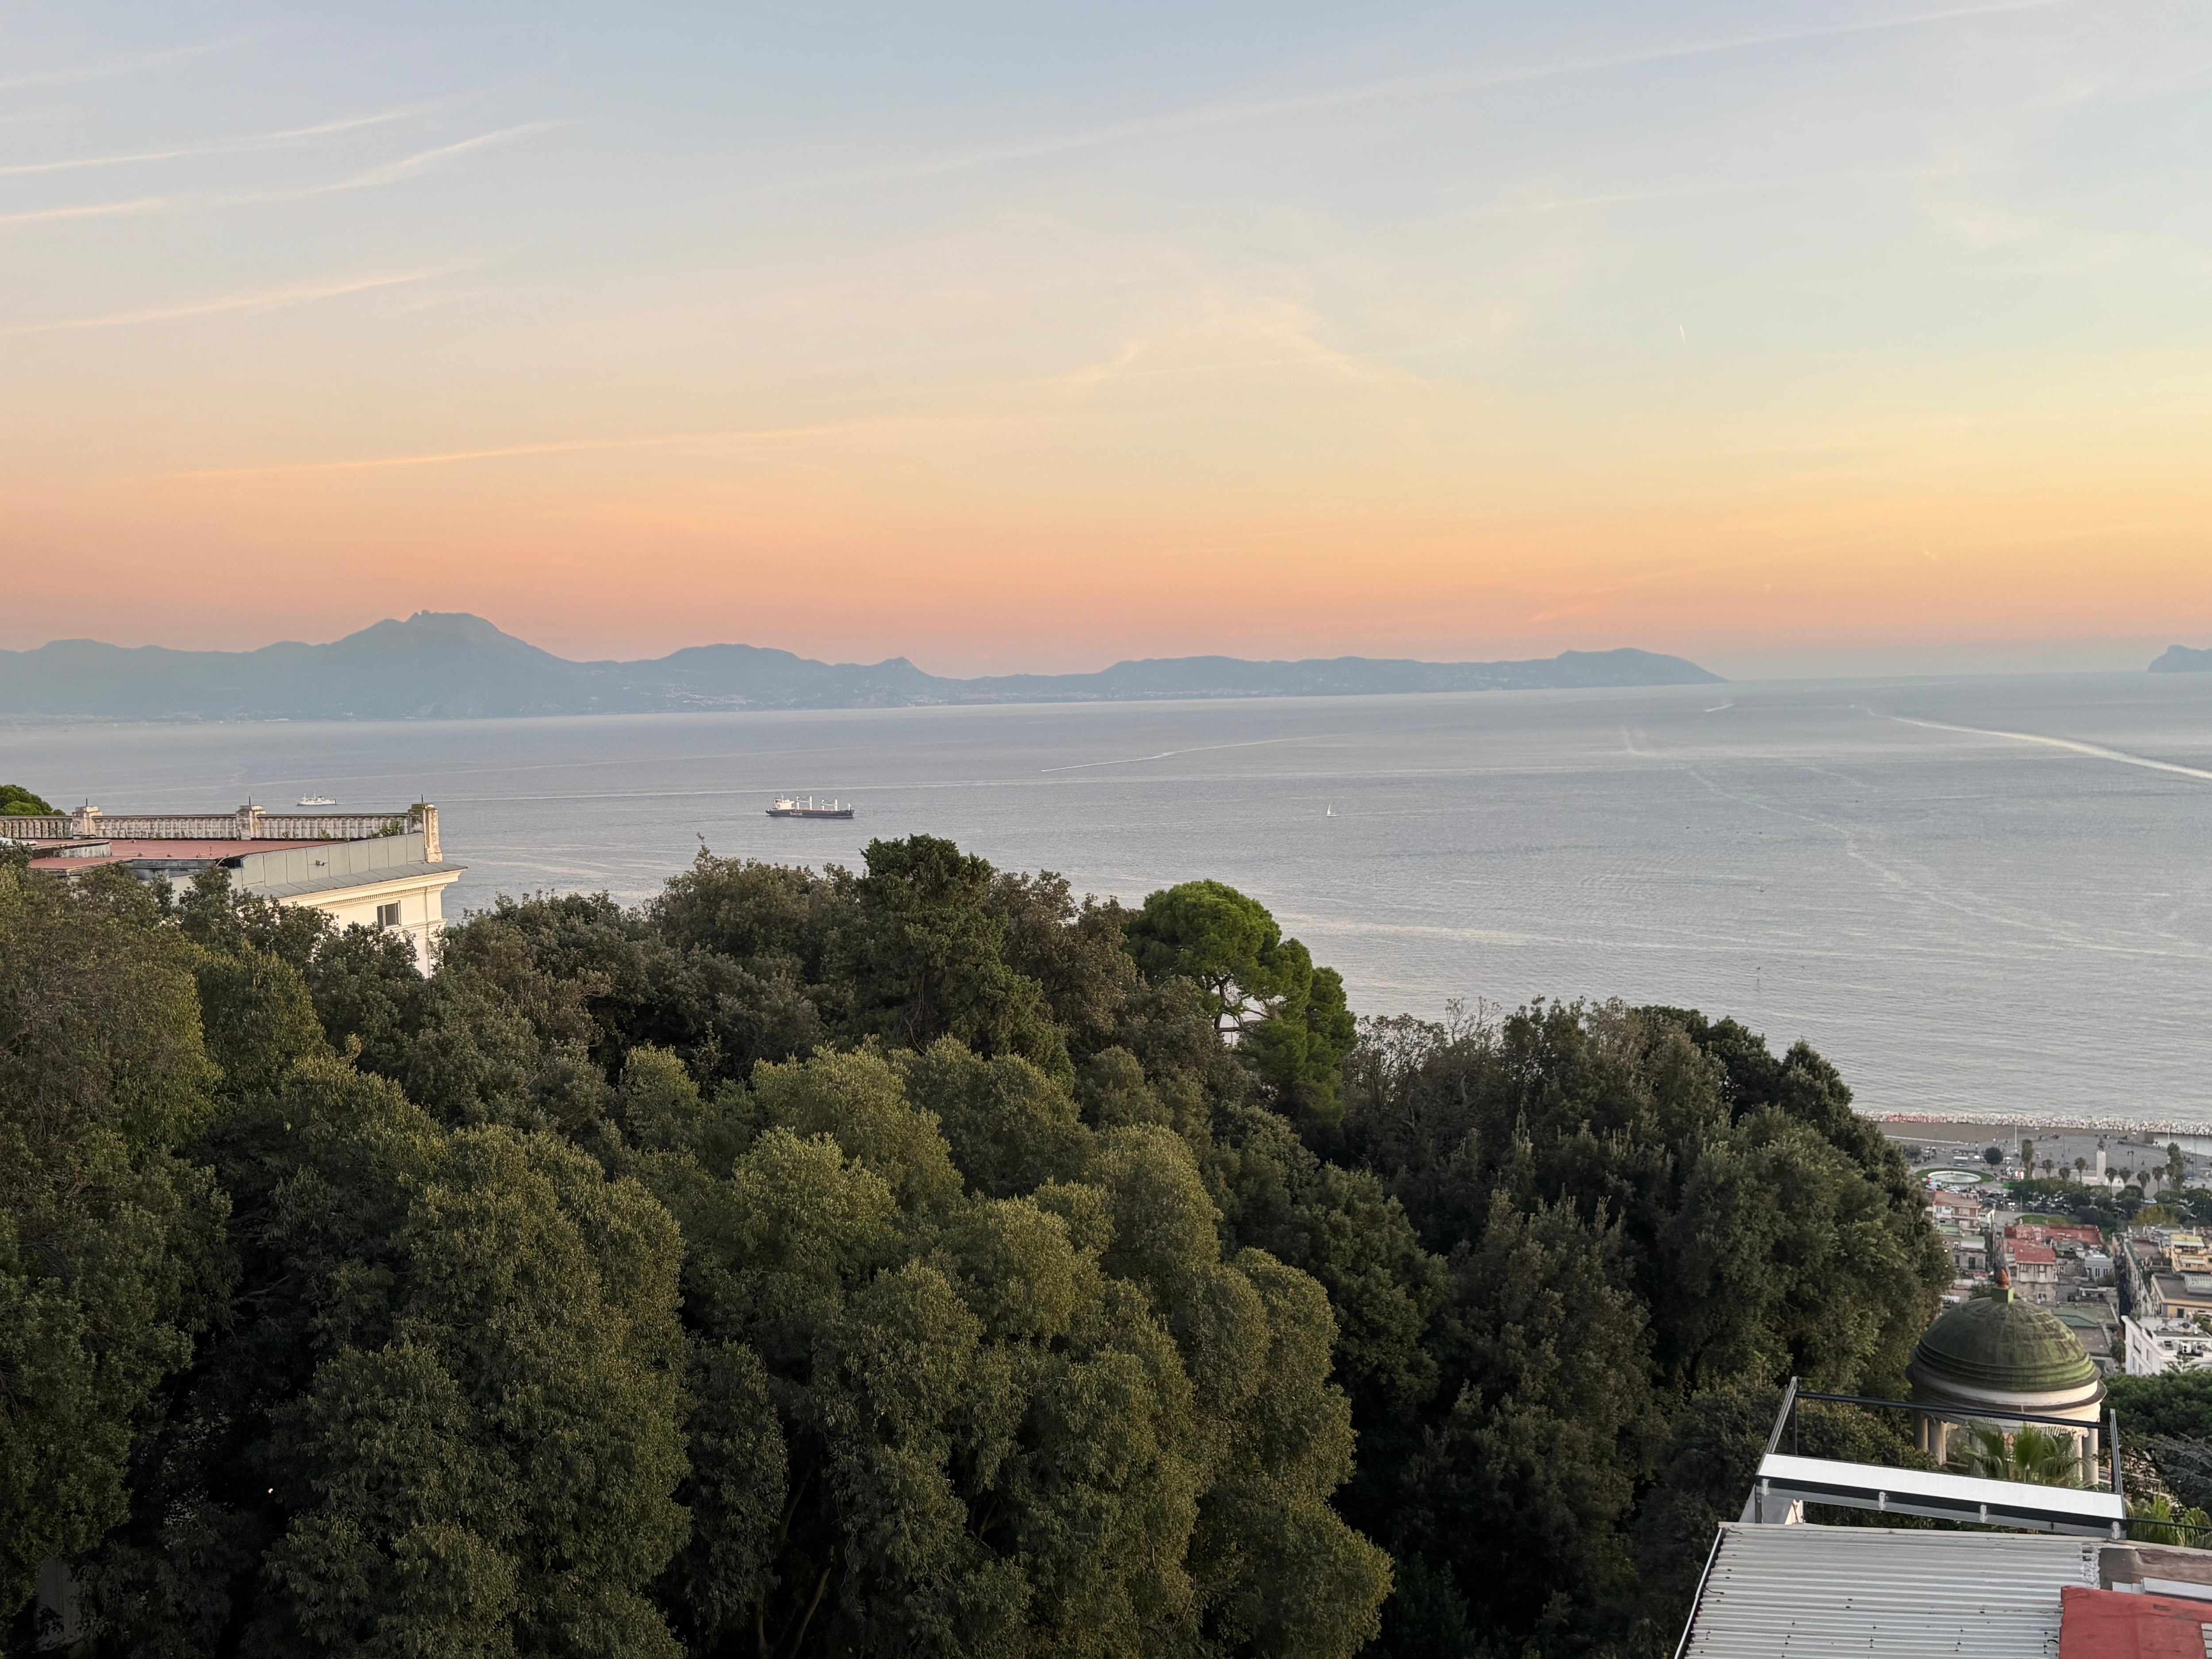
{"points": [[185, 851], [2102, 1624]]}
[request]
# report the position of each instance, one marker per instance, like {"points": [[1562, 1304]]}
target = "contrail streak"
{"points": [[559, 446], [1329, 98], [2093, 751], [263, 299], [246, 145], [388, 173]]}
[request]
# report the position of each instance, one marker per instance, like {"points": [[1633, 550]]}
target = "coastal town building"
{"points": [[2034, 1267], [2060, 1235], [2178, 1296], [2141, 1257], [1970, 1251], [380, 870], [1961, 1220], [2169, 1322], [2155, 1346], [1959, 1209]]}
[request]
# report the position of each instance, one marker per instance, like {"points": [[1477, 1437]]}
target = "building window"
{"points": [[387, 915]]}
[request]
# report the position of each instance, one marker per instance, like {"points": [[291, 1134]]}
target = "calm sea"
{"points": [[1978, 897]]}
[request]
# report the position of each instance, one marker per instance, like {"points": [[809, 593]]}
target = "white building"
{"points": [[2156, 1346], [381, 870]]}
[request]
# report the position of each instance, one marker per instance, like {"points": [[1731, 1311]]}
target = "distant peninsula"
{"points": [[448, 666], [2180, 659]]}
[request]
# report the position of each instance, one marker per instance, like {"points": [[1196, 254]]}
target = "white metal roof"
{"points": [[1937, 1492], [1871, 1593]]}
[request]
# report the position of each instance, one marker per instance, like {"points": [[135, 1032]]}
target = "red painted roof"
{"points": [[202, 851], [2098, 1624], [2040, 1254]]}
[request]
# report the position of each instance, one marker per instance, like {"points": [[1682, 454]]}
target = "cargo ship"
{"points": [[786, 807]]}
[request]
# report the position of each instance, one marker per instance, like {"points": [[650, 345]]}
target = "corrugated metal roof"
{"points": [[1870, 1593]]}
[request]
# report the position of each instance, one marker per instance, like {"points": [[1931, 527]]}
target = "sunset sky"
{"points": [[1803, 336]]}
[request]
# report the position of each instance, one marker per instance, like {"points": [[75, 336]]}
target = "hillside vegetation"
{"points": [[912, 1261]]}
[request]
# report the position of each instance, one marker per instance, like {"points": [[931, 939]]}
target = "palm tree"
{"points": [[2156, 1523], [2038, 1456], [2080, 1164]]}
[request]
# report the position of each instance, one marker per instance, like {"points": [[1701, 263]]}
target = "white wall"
{"points": [[421, 910], [2151, 1352]]}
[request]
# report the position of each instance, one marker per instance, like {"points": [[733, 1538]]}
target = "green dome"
{"points": [[2010, 1347]]}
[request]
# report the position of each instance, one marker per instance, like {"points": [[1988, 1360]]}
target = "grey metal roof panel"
{"points": [[338, 883], [1812, 1592]]}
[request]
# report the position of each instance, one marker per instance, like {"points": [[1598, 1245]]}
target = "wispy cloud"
{"points": [[386, 172], [88, 210], [423, 162], [244, 145], [136, 63], [1414, 86], [277, 299], [556, 446]]}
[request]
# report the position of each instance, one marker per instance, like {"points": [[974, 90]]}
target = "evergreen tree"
{"points": [[912, 1261], [110, 1240]]}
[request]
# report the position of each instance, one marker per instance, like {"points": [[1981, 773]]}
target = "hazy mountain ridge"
{"points": [[2181, 660], [452, 665]]}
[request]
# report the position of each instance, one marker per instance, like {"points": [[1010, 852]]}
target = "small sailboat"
{"points": [[1331, 812]]}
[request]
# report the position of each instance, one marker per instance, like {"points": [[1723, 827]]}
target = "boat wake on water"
{"points": [[2095, 751]]}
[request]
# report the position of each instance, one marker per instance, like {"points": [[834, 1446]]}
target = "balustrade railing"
{"points": [[27, 827], [248, 823]]}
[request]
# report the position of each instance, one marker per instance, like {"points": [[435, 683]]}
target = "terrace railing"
{"points": [[1786, 1479], [247, 822]]}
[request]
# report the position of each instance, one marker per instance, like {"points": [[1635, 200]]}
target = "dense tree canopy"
{"points": [[109, 1244], [916, 1261], [1635, 1208], [1287, 1018], [15, 801]]}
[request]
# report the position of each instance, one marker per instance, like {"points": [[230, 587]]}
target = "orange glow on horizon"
{"points": [[1751, 346]]}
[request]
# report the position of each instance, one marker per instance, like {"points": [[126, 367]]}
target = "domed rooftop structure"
{"points": [[1994, 1355], [2007, 1347]]}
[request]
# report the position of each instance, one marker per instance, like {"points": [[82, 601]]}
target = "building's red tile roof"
{"points": [[2036, 1232], [2034, 1256], [204, 851], [2100, 1623]]}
